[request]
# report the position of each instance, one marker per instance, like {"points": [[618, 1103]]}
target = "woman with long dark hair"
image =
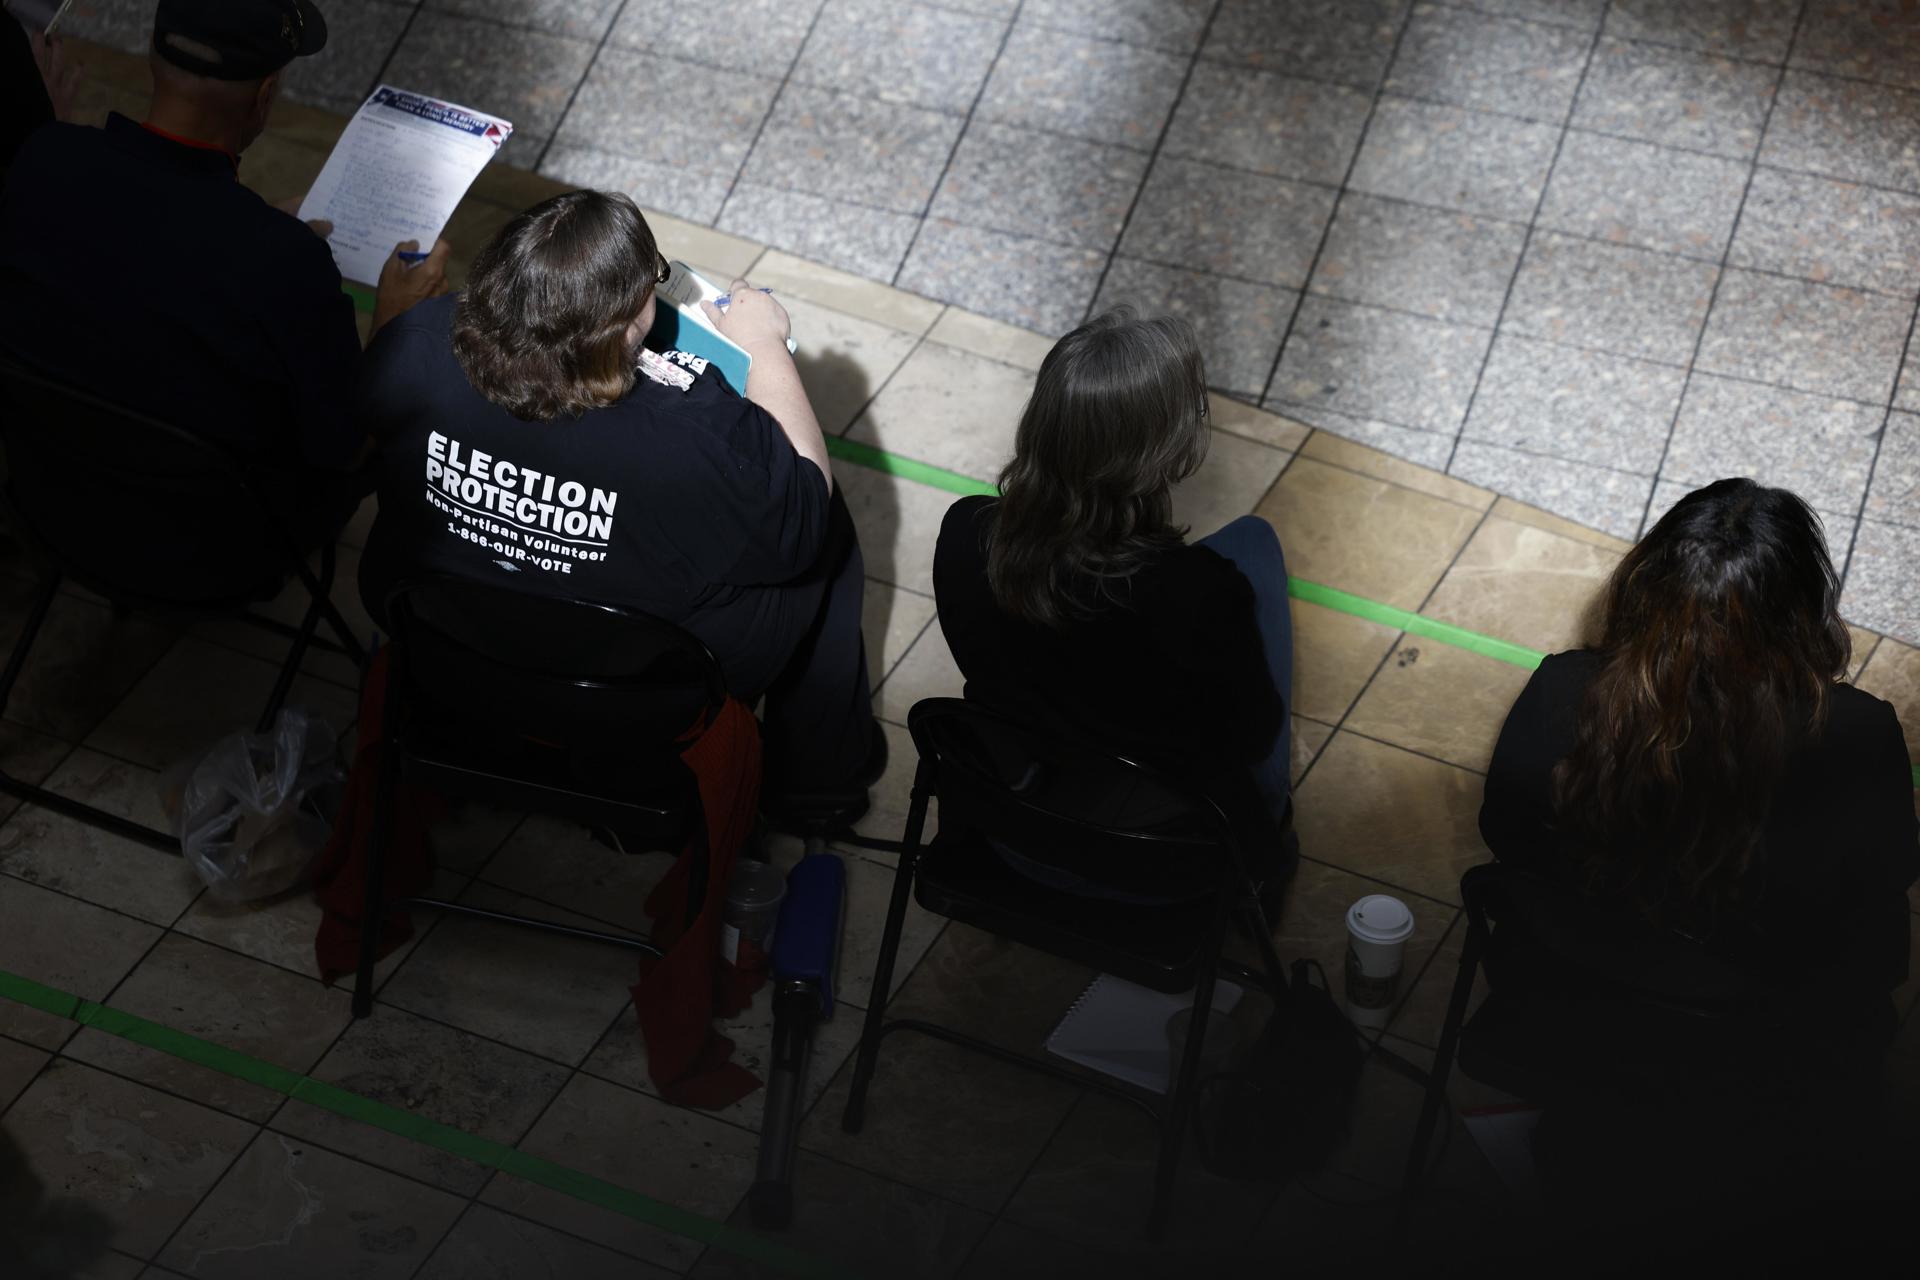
{"points": [[1705, 765], [1074, 599], [1703, 774]]}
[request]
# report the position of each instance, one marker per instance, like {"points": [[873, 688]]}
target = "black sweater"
{"points": [[1840, 842], [1176, 676]]}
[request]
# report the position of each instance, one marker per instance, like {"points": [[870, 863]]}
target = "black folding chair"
{"points": [[157, 519], [1070, 810], [1589, 1004], [551, 705]]}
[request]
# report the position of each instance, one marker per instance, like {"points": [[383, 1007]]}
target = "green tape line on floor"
{"points": [[1387, 615], [865, 455], [414, 1127], [1413, 623], [893, 464]]}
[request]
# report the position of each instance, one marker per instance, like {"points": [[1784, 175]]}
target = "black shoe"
{"points": [[823, 811]]}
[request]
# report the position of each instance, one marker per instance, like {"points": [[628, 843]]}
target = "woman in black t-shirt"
{"points": [[1073, 598], [530, 440]]}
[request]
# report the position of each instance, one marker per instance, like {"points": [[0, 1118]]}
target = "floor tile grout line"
{"points": [[1713, 296], [258, 1129], [1042, 24], [1526, 240], [1333, 214], [177, 1096], [894, 1180], [574, 1072], [1879, 446], [1784, 64], [846, 432], [1081, 1094], [427, 1258], [263, 1128], [260, 1126], [1414, 751], [1153, 161], [1399, 638], [426, 932], [1114, 252], [760, 129], [586, 74], [1406, 1001], [1476, 508], [1305, 285], [1862, 660], [1464, 6], [966, 127], [386, 63], [918, 636], [1562, 346]]}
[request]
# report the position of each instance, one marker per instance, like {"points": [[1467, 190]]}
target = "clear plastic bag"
{"points": [[254, 810]]}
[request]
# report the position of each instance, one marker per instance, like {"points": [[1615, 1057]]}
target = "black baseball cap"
{"points": [[237, 39]]}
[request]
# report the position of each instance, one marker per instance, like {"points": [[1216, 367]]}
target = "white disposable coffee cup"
{"points": [[1378, 927]]}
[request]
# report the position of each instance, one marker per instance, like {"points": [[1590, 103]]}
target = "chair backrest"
{"points": [[610, 684], [1071, 806], [1613, 950], [137, 508]]}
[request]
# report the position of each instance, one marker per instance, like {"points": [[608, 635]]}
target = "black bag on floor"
{"points": [[1284, 1109]]}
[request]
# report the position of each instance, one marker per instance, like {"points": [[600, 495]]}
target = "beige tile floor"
{"points": [[965, 1168]]}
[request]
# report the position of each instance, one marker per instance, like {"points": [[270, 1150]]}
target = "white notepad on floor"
{"points": [[1120, 1029]]}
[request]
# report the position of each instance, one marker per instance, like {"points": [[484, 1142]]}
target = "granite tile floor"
{"points": [[1591, 203], [965, 1169]]}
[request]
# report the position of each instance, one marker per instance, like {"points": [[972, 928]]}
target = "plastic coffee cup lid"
{"points": [[755, 884], [1381, 918]]}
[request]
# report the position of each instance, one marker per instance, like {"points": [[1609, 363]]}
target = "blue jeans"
{"points": [[1254, 548]]}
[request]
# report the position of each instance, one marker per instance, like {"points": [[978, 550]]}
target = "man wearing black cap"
{"points": [[134, 264]]}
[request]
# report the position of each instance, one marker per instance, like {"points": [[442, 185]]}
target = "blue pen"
{"points": [[726, 299], [410, 258]]}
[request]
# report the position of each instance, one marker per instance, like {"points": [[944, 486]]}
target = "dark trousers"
{"points": [[1254, 548], [817, 716]]}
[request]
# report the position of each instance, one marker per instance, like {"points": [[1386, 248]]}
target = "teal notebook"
{"points": [[680, 325]]}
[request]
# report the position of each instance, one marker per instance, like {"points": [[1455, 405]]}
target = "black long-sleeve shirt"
{"points": [[1839, 846], [1175, 676]]}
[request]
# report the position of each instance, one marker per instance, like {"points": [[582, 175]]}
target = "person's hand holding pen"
{"points": [[749, 317], [409, 277]]}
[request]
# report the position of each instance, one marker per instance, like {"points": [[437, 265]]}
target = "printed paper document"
{"points": [[399, 170]]}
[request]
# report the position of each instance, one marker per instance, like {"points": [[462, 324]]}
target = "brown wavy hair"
{"points": [[1118, 415], [1721, 646], [541, 329]]}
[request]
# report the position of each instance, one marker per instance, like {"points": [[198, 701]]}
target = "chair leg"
{"points": [[29, 631], [322, 588], [1436, 1097], [870, 1031], [291, 667], [1179, 1107], [337, 623], [373, 901], [1255, 922]]}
